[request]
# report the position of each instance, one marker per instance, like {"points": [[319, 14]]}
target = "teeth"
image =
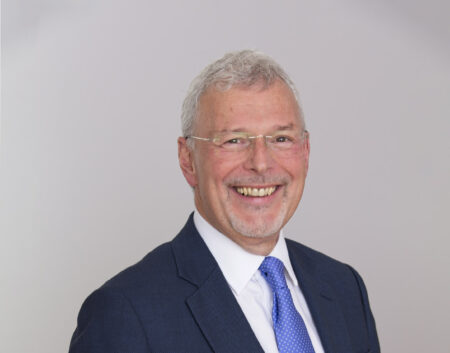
{"points": [[255, 192]]}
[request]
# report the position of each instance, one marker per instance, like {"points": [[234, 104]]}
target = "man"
{"points": [[230, 281]]}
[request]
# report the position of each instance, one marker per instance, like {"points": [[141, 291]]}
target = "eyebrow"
{"points": [[276, 128], [285, 127]]}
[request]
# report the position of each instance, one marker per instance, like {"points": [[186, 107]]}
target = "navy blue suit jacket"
{"points": [[176, 299]]}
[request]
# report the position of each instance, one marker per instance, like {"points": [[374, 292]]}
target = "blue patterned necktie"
{"points": [[289, 327]]}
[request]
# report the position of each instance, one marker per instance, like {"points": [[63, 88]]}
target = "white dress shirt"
{"points": [[252, 292]]}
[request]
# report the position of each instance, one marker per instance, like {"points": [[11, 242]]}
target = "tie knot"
{"points": [[272, 270]]}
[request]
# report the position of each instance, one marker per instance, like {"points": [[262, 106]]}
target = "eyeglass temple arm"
{"points": [[198, 138]]}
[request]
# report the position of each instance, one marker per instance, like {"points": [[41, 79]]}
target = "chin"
{"points": [[260, 226]]}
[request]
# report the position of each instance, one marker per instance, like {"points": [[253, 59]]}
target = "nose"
{"points": [[259, 157]]}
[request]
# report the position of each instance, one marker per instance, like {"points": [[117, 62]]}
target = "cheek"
{"points": [[212, 173], [296, 167], [218, 168]]}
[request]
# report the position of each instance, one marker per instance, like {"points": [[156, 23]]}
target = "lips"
{"points": [[255, 192]]}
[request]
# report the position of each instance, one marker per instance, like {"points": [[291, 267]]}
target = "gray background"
{"points": [[89, 176]]}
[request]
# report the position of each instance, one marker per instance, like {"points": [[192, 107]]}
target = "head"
{"points": [[251, 193], [246, 68]]}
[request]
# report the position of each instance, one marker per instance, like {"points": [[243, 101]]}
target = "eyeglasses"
{"points": [[283, 140]]}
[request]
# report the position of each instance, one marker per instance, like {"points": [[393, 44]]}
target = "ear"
{"points": [[306, 152], [186, 161]]}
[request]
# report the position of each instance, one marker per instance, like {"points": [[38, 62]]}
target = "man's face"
{"points": [[219, 177]]}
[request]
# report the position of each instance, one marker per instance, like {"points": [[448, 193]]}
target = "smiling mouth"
{"points": [[256, 192]]}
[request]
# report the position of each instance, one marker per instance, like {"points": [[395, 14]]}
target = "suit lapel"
{"points": [[212, 305], [325, 310], [221, 319]]}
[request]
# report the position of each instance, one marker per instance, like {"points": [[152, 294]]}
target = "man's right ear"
{"points": [[186, 160]]}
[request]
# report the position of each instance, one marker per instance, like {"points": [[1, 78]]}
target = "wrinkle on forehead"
{"points": [[228, 110]]}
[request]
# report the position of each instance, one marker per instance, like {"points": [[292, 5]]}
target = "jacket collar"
{"points": [[325, 310], [213, 305]]}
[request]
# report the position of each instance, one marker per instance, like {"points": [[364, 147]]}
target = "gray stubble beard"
{"points": [[260, 228]]}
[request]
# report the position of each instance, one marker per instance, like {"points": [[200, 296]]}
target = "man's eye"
{"points": [[282, 139], [234, 141]]}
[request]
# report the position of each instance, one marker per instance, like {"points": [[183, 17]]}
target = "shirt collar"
{"points": [[238, 265]]}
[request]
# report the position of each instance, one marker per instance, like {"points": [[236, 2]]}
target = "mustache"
{"points": [[258, 180]]}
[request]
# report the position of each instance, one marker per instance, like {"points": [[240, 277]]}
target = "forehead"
{"points": [[254, 108]]}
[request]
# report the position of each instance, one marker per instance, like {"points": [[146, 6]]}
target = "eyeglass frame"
{"points": [[304, 135]]}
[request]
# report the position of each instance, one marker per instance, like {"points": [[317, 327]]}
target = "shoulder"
{"points": [[155, 265], [110, 318], [138, 280], [330, 270], [118, 315], [163, 267], [311, 257]]}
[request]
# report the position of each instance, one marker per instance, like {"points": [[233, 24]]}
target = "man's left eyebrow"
{"points": [[290, 126], [236, 130], [284, 127]]}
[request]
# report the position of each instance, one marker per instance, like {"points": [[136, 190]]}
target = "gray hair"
{"points": [[241, 68]]}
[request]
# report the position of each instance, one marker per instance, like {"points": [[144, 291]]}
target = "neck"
{"points": [[259, 246], [262, 245]]}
